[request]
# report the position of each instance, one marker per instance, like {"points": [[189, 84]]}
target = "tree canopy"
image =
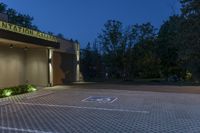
{"points": [[142, 51], [17, 18]]}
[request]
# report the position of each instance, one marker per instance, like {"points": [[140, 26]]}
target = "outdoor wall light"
{"points": [[11, 45], [49, 61]]}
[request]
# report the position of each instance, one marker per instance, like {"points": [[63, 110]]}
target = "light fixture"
{"points": [[49, 61], [7, 93], [11, 45], [26, 48]]}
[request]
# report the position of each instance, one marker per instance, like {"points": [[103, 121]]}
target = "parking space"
{"points": [[67, 110]]}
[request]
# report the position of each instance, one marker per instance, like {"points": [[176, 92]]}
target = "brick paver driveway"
{"points": [[67, 110]]}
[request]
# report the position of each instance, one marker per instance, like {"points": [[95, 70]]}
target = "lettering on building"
{"points": [[26, 31]]}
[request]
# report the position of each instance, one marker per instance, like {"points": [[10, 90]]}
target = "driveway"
{"points": [[76, 110]]}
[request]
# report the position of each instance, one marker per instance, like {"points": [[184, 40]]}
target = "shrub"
{"points": [[31, 88], [188, 76], [7, 92], [17, 90]]}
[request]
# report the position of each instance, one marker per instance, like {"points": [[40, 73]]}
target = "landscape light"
{"points": [[7, 93], [31, 88]]}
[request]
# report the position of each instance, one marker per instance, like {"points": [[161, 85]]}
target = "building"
{"points": [[29, 56]]}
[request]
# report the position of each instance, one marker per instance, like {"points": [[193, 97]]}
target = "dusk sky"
{"points": [[84, 19]]}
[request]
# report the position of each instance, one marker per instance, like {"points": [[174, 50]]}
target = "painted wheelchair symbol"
{"points": [[100, 99]]}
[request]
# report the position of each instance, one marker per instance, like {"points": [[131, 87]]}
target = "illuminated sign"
{"points": [[26, 31]]}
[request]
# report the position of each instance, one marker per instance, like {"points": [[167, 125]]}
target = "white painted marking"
{"points": [[114, 100], [23, 130], [87, 99], [79, 107]]}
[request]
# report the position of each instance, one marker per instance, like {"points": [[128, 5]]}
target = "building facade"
{"points": [[32, 57]]}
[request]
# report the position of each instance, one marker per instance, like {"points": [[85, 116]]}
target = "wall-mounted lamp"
{"points": [[49, 61]]}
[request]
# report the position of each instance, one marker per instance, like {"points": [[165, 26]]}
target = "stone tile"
{"points": [[168, 113]]}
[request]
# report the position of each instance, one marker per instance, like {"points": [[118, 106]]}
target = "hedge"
{"points": [[17, 90]]}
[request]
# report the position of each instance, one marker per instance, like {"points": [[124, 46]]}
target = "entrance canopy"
{"points": [[13, 32]]}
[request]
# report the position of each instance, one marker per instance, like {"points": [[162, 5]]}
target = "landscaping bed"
{"points": [[10, 91]]}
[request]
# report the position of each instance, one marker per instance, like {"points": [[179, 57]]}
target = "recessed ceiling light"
{"points": [[26, 48], [11, 45]]}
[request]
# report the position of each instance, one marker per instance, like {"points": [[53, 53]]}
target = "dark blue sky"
{"points": [[84, 19]]}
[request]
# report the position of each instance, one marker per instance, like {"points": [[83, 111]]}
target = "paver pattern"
{"points": [[63, 111]]}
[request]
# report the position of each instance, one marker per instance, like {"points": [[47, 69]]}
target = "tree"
{"points": [[3, 8], [190, 36], [190, 8], [169, 45], [17, 18], [20, 19], [138, 51], [112, 41], [145, 62], [126, 51], [91, 64], [178, 41]]}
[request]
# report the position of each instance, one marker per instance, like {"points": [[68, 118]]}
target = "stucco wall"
{"points": [[67, 46], [12, 65], [37, 67], [72, 51], [64, 68], [18, 67]]}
